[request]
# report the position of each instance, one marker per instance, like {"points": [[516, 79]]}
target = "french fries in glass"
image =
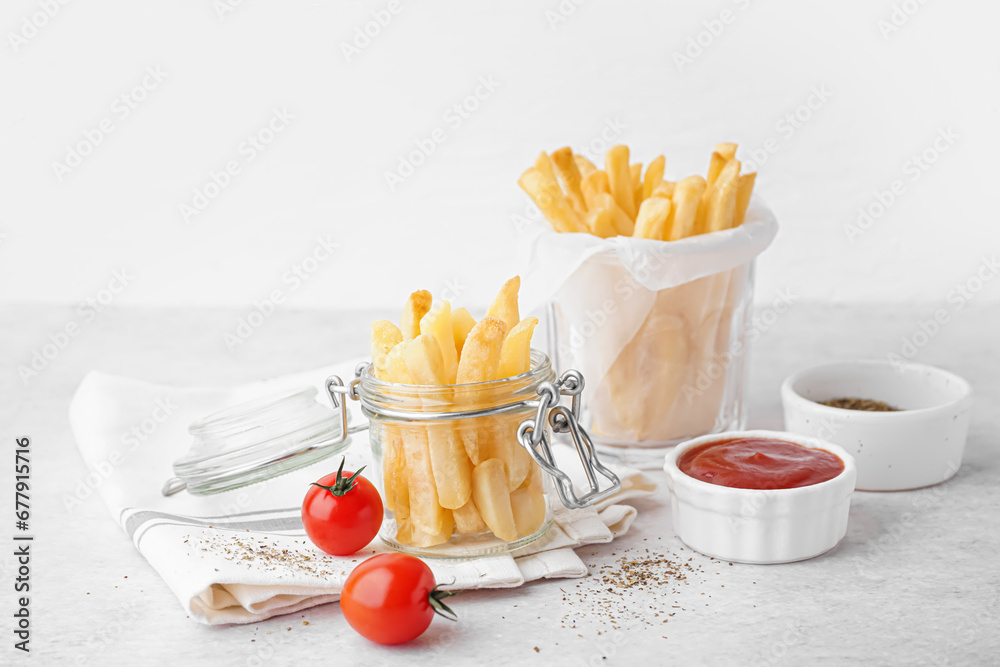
{"points": [[462, 477], [646, 395]]}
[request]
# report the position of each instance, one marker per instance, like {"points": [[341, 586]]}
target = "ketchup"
{"points": [[759, 463]]}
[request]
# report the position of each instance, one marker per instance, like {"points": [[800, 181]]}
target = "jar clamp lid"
{"points": [[531, 434]]}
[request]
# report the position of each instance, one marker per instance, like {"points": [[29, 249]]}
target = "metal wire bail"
{"points": [[336, 389], [531, 434]]}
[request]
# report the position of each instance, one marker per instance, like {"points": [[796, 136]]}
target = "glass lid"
{"points": [[257, 440]]}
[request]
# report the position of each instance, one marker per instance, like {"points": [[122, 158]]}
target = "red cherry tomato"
{"points": [[391, 598], [342, 512]]}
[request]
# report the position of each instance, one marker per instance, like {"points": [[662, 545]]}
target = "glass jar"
{"points": [[257, 440], [467, 470], [679, 373]]}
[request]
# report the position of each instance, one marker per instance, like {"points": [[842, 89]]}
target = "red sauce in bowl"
{"points": [[759, 463]]}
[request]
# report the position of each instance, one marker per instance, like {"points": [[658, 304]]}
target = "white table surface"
{"points": [[926, 592]]}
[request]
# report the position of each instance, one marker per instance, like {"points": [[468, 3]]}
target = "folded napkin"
{"points": [[243, 556]]}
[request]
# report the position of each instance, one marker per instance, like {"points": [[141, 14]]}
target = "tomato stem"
{"points": [[343, 484], [435, 598]]}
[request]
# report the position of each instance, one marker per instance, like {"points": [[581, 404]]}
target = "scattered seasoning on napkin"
{"points": [[256, 552], [635, 570], [863, 404]]}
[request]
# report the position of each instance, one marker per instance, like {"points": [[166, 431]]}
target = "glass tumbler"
{"points": [[679, 372]]}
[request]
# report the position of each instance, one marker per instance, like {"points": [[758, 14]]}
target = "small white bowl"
{"points": [[760, 526], [920, 445]]}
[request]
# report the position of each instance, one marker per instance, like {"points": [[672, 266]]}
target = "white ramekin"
{"points": [[918, 446], [760, 525]]}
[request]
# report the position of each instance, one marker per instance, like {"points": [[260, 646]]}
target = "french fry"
{"points": [[664, 230], [594, 184], [451, 469], [498, 440], [722, 199], [492, 498], [701, 215], [635, 174], [461, 324], [385, 336], [416, 306], [601, 223], [481, 356], [585, 166], [569, 176], [534, 475], [473, 433], [687, 198], [395, 365], [467, 519], [654, 176], [480, 363], [515, 356], [437, 322], [394, 480], [715, 166], [450, 465], [664, 189], [426, 512], [408, 533], [528, 505], [394, 484], [722, 154], [744, 188], [504, 306], [652, 217], [727, 150], [495, 437], [620, 179], [515, 359], [424, 360], [623, 224], [545, 192], [543, 163]]}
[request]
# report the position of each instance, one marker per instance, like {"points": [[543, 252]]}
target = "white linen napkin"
{"points": [[242, 556]]}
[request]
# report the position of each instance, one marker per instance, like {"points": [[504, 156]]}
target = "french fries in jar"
{"points": [[673, 367], [463, 485]]}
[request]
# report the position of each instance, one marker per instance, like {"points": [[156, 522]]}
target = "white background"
{"points": [[451, 225]]}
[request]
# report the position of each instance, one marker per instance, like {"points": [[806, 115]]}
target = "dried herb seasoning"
{"points": [[863, 404]]}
